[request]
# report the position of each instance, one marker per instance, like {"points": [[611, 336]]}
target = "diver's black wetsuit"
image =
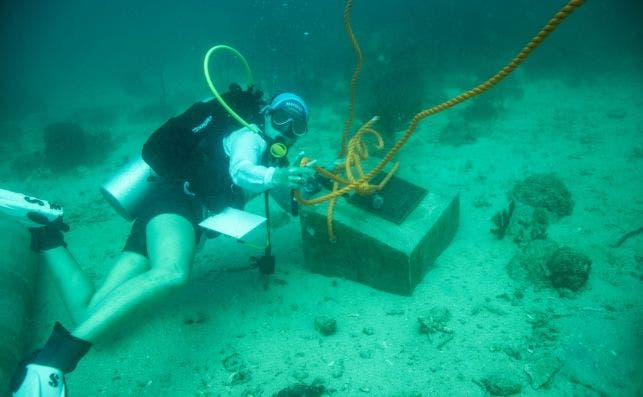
{"points": [[188, 153]]}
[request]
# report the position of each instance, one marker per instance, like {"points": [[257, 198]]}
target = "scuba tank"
{"points": [[126, 190]]}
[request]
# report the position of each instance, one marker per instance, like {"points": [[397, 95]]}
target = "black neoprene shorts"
{"points": [[167, 198]]}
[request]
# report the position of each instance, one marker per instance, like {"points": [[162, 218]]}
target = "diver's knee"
{"points": [[179, 279], [173, 278]]}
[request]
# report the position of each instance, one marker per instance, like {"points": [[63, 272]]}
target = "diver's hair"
{"points": [[248, 104]]}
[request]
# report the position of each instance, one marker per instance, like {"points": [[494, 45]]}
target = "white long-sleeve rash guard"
{"points": [[245, 149]]}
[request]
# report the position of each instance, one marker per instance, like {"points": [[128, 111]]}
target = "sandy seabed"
{"points": [[241, 334]]}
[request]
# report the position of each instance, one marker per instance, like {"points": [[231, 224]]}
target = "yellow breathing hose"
{"points": [[277, 149], [206, 71]]}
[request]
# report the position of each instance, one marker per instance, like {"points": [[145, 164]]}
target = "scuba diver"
{"points": [[205, 163]]}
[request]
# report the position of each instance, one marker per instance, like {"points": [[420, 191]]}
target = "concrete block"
{"points": [[376, 252]]}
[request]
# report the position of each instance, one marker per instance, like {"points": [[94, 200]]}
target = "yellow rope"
{"points": [[356, 149], [356, 73], [329, 216], [495, 79]]}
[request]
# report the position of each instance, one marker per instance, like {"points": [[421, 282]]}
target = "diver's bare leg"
{"points": [[73, 284], [75, 288], [171, 245], [128, 266]]}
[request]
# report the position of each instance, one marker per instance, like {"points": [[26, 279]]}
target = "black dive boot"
{"points": [[48, 236], [44, 374]]}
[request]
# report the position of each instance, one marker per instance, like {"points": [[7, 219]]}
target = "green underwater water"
{"points": [[486, 318]]}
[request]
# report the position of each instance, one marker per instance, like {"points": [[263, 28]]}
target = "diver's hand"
{"points": [[292, 177]]}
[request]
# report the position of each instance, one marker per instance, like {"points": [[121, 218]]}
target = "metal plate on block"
{"points": [[394, 202]]}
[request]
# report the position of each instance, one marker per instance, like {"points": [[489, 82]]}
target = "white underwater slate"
{"points": [[233, 222]]}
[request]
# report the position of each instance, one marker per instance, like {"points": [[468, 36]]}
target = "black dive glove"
{"points": [[48, 236]]}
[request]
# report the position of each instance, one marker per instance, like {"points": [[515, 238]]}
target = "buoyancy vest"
{"points": [[189, 147]]}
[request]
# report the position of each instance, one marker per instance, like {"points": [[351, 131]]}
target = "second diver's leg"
{"points": [[74, 286], [171, 246]]}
